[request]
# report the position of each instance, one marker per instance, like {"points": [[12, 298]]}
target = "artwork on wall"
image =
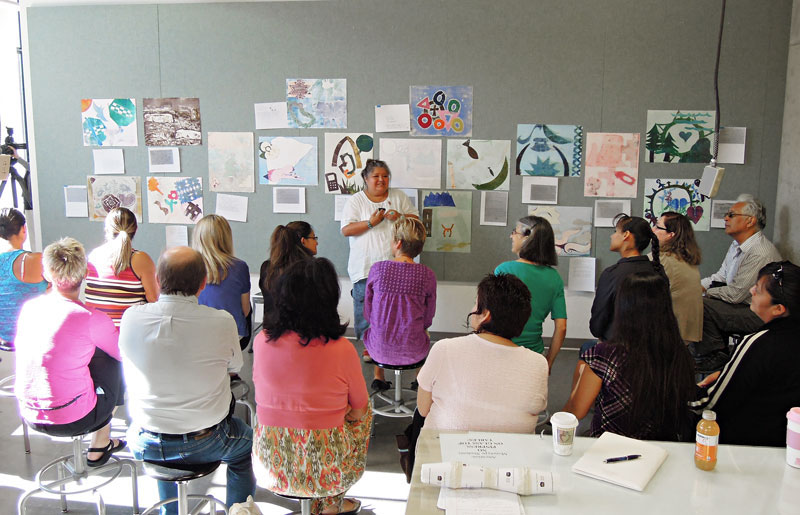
{"points": [[550, 150], [679, 136], [230, 161], [441, 110], [494, 208], [572, 227], [679, 195], [288, 161], [164, 160], [316, 103], [174, 200], [447, 216], [612, 165], [414, 163], [606, 210], [170, 122], [540, 190], [345, 157], [105, 193], [477, 164], [109, 122]]}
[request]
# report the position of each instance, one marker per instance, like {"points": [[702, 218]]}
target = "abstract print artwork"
{"points": [[441, 110], [170, 122], [477, 164], [549, 150], [414, 163], [316, 103], [572, 227], [679, 136], [345, 157], [612, 165], [288, 161], [174, 200], [106, 193], [679, 195], [447, 216], [230, 161], [109, 122]]}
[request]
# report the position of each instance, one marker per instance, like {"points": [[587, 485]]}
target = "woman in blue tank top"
{"points": [[20, 273]]}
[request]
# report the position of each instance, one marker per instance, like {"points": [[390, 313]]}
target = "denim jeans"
{"points": [[359, 323], [231, 442]]}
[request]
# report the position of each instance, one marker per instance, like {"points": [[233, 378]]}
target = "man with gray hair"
{"points": [[176, 357], [726, 305]]}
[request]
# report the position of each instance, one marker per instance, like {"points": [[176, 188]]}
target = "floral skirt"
{"points": [[318, 463]]}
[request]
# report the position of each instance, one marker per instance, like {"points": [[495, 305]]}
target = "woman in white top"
{"points": [[370, 238], [484, 381]]}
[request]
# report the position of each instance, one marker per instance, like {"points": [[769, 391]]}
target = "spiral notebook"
{"points": [[633, 474]]}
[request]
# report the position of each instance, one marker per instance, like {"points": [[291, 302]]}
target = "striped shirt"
{"points": [[739, 270], [110, 293]]}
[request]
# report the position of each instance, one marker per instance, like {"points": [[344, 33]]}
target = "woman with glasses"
{"points": [[367, 222], [227, 277], [761, 381], [292, 242], [532, 240], [680, 257]]}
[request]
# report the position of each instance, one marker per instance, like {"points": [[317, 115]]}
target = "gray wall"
{"points": [[601, 64]]}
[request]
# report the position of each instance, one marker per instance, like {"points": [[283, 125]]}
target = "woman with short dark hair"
{"points": [[314, 417], [533, 241], [484, 381]]}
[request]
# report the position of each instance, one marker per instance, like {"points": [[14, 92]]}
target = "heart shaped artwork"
{"points": [[695, 213], [685, 135], [127, 199]]}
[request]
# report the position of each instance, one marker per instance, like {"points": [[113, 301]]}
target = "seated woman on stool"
{"points": [[399, 303], [484, 381], [314, 417], [69, 377], [292, 242]]}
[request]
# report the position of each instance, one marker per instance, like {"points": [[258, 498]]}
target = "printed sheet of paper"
{"points": [[494, 208], [316, 103], [392, 118], [105, 192], [271, 115], [581, 274], [232, 207], [339, 201], [606, 210], [447, 217], [230, 161], [477, 164], [572, 226], [479, 501], [612, 165], [75, 203], [109, 122], [164, 160], [540, 190], [345, 157], [288, 200], [108, 161], [177, 236], [718, 210], [731, 145], [415, 163], [174, 200], [491, 449]]}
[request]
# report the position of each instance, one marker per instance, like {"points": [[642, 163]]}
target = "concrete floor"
{"points": [[383, 489]]}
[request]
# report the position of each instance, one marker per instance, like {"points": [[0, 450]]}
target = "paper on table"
{"points": [[288, 200], [581, 274], [232, 207], [540, 190], [495, 449], [271, 115], [633, 474], [164, 159], [75, 202], [718, 210], [177, 236], [494, 208], [731, 145], [339, 202], [479, 501], [392, 118], [108, 161], [606, 210]]}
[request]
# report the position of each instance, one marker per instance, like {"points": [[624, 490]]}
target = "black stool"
{"points": [[398, 406], [181, 474]]}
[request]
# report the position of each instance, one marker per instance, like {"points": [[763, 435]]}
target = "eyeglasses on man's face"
{"points": [[731, 214]]}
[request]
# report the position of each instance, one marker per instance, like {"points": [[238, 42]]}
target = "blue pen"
{"points": [[623, 458]]}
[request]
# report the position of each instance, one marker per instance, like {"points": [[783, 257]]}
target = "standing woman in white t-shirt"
{"points": [[370, 238]]}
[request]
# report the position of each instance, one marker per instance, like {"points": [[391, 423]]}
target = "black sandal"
{"points": [[107, 451]]}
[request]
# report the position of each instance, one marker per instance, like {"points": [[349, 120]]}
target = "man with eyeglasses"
{"points": [[726, 305]]}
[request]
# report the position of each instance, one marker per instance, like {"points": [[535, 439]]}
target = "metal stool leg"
{"points": [[305, 506], [26, 439]]}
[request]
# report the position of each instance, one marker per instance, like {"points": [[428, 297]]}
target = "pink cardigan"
{"points": [[56, 339], [306, 387]]}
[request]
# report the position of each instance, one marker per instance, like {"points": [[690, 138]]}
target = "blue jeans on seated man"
{"points": [[359, 323], [231, 442]]}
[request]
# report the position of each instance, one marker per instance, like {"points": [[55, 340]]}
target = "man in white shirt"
{"points": [[176, 358], [726, 305]]}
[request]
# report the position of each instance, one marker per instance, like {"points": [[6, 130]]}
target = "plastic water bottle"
{"points": [[707, 442]]}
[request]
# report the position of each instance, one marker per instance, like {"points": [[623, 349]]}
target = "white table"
{"points": [[747, 480]]}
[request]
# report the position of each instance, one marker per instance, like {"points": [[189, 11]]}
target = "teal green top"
{"points": [[547, 298]]}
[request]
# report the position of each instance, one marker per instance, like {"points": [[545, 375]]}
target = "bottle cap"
{"points": [[709, 415]]}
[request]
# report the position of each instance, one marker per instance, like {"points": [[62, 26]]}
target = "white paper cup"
{"points": [[564, 425]]}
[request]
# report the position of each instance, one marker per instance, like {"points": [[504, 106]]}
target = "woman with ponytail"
{"points": [[630, 238], [120, 276], [288, 244]]}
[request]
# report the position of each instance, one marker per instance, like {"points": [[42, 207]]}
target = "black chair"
{"points": [[398, 406], [181, 474]]}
